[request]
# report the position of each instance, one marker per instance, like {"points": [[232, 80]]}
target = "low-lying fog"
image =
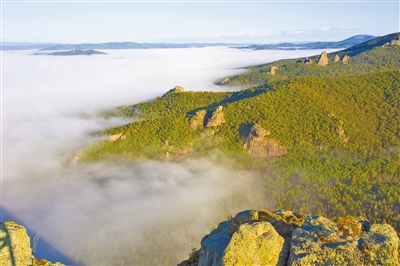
{"points": [[101, 213]]}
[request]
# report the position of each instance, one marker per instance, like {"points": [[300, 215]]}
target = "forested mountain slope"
{"points": [[324, 139]]}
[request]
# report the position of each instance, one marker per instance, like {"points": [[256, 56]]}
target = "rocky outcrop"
{"points": [[115, 137], [323, 60], [224, 81], [259, 146], [175, 153], [319, 242], [340, 132], [345, 59], [198, 120], [337, 58], [395, 42], [15, 249], [217, 118], [273, 69], [308, 61], [177, 89], [289, 238]]}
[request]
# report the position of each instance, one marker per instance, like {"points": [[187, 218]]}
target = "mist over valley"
{"points": [[88, 212]]}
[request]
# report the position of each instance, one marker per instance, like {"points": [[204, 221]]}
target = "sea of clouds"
{"points": [[49, 107]]}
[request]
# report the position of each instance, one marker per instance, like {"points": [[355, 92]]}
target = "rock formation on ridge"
{"points": [[323, 60], [259, 146], [337, 58], [217, 118], [198, 120], [273, 69], [345, 59]]}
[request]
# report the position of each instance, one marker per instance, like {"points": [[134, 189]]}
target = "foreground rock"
{"points": [[15, 249], [289, 238]]}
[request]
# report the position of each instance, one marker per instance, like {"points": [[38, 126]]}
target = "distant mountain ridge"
{"points": [[349, 42], [354, 40], [72, 52], [130, 45]]}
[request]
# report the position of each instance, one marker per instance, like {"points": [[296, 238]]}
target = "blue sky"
{"points": [[195, 21]]}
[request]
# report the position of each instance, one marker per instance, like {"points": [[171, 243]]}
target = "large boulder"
{"points": [[255, 243], [250, 238]]}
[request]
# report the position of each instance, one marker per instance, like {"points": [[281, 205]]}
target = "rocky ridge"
{"points": [[289, 238], [15, 248]]}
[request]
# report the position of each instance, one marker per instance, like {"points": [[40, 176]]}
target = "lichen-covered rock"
{"points": [[44, 262], [15, 249], [255, 243], [289, 238], [323, 60], [259, 146], [198, 120], [319, 242], [379, 246], [217, 118], [15, 245], [245, 216]]}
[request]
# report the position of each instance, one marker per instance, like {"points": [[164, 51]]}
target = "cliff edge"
{"points": [[15, 248]]}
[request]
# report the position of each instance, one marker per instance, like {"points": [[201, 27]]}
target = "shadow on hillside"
{"points": [[236, 97], [43, 248]]}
